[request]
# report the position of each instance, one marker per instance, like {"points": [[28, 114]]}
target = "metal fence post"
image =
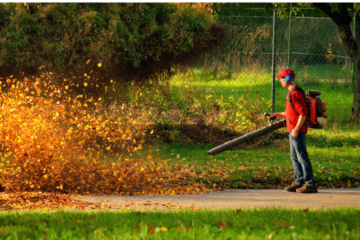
{"points": [[353, 62], [231, 12], [289, 41], [273, 64]]}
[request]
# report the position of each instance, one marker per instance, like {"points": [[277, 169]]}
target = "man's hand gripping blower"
{"points": [[249, 136]]}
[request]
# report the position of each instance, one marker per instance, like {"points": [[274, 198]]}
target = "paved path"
{"points": [[235, 199]]}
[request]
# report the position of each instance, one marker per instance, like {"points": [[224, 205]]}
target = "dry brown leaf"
{"points": [[283, 224], [151, 229], [140, 214], [222, 224]]}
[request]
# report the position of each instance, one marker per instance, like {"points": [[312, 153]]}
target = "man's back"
{"points": [[292, 115]]}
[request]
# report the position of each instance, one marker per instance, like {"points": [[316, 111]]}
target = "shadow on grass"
{"points": [[339, 141], [193, 135]]}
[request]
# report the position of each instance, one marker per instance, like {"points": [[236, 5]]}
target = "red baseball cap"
{"points": [[285, 73]]}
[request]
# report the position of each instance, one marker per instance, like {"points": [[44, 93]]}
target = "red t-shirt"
{"points": [[291, 116]]}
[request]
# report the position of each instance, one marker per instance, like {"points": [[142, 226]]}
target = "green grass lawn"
{"points": [[266, 167], [333, 151], [270, 223], [257, 82], [329, 71]]}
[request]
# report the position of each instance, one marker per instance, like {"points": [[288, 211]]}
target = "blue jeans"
{"points": [[302, 167]]}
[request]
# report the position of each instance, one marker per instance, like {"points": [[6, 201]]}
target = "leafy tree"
{"points": [[137, 41]]}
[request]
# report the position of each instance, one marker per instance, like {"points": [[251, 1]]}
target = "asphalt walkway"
{"points": [[236, 199]]}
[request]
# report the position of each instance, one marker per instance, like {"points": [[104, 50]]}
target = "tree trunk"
{"points": [[356, 61], [341, 17]]}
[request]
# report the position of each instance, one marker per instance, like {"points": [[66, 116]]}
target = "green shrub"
{"points": [[132, 39]]}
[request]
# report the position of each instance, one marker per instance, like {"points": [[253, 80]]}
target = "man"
{"points": [[295, 118]]}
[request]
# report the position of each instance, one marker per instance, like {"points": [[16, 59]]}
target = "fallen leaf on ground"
{"points": [[283, 224], [140, 214], [222, 224], [45, 201], [151, 229]]}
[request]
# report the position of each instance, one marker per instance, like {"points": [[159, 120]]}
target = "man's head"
{"points": [[287, 76]]}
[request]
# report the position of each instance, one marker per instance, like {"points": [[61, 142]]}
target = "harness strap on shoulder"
{"points": [[290, 97]]}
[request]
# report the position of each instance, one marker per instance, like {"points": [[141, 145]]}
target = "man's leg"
{"points": [[298, 169], [303, 158]]}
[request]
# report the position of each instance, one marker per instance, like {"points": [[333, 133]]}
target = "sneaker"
{"points": [[307, 189], [293, 187]]}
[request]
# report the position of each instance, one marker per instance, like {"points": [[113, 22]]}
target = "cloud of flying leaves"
{"points": [[52, 140]]}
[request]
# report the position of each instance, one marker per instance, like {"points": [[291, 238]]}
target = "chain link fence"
{"points": [[312, 47]]}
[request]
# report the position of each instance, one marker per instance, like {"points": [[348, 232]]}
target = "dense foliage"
{"points": [[129, 38]]}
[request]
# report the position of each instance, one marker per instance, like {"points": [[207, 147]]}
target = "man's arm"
{"points": [[279, 114], [302, 109], [300, 122]]}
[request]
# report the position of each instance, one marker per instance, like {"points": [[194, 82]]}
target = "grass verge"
{"points": [[270, 223]]}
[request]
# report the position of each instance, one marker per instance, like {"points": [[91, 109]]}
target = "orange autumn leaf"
{"points": [[222, 224], [150, 229]]}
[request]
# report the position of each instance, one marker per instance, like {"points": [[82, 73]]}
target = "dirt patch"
{"points": [[207, 134]]}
